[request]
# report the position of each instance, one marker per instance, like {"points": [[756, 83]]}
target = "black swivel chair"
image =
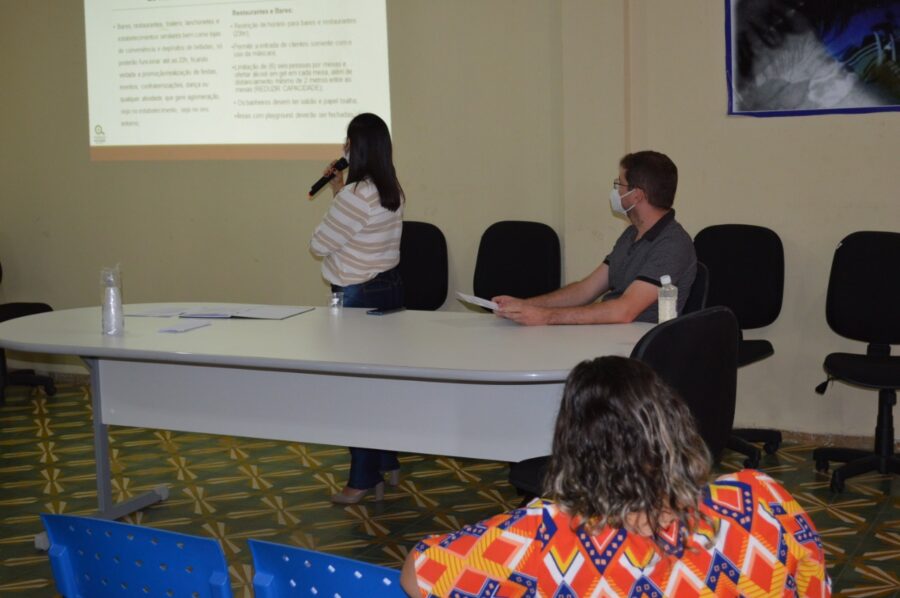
{"points": [[696, 354], [517, 258], [699, 290], [423, 266], [746, 274], [9, 311], [862, 305]]}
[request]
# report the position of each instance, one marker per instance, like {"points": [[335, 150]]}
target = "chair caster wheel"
{"points": [[837, 485], [822, 465], [771, 447]]}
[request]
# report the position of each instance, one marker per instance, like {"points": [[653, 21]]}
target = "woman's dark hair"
{"points": [[371, 156], [625, 444]]}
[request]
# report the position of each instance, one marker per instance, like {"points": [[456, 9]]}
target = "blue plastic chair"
{"points": [[95, 558], [290, 571]]}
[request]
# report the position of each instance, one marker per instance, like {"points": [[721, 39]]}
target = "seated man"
{"points": [[628, 513], [628, 279]]}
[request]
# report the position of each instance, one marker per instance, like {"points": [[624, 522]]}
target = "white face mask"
{"points": [[615, 201]]}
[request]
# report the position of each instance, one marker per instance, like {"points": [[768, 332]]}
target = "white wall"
{"points": [[812, 179]]}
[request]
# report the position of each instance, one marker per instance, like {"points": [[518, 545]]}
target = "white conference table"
{"points": [[446, 383]]}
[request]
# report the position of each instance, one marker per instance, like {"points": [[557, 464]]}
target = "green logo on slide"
{"points": [[99, 135]]}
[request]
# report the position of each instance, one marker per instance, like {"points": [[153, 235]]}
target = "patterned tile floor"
{"points": [[237, 488]]}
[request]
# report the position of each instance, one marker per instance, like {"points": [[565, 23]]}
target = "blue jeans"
{"points": [[385, 291]]}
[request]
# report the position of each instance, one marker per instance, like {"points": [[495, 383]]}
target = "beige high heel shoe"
{"points": [[393, 476], [352, 496]]}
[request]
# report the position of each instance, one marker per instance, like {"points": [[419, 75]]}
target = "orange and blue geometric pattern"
{"points": [[755, 540]]}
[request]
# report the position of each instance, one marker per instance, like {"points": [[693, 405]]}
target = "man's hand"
{"points": [[505, 301], [523, 313]]}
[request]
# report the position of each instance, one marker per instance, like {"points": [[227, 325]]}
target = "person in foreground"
{"points": [[628, 513], [628, 279], [359, 241]]}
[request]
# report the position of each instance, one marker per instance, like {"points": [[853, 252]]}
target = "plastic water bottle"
{"points": [[112, 321], [668, 300]]}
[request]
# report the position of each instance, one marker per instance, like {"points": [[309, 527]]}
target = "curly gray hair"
{"points": [[625, 444]]}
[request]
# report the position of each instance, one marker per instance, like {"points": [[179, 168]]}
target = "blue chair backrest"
{"points": [[94, 558], [291, 571]]}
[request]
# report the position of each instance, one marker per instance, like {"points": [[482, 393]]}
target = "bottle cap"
{"points": [[665, 279], [109, 277]]}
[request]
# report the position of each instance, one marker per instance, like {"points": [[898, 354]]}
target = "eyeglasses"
{"points": [[616, 183]]}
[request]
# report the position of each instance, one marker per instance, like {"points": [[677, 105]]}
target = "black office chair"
{"points": [[699, 290], [517, 258], [696, 354], [9, 311], [746, 274], [423, 266], [862, 305]]}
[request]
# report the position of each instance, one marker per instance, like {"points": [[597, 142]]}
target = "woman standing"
{"points": [[359, 241]]}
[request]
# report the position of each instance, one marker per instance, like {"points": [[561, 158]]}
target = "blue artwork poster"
{"points": [[796, 57]]}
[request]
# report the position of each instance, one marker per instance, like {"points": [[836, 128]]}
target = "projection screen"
{"points": [[232, 79]]}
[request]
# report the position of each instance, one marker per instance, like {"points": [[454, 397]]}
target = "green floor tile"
{"points": [[234, 489]]}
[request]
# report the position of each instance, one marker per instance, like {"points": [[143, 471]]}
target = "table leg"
{"points": [[106, 509]]}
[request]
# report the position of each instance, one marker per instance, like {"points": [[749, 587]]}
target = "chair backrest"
{"points": [[517, 258], [292, 571], [423, 265], [699, 290], [746, 271], [696, 354], [9, 311], [99, 558], [863, 301]]}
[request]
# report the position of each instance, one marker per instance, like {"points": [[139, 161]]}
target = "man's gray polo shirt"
{"points": [[664, 249]]}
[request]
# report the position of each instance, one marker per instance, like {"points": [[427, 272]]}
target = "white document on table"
{"points": [[256, 312], [271, 312], [184, 327], [210, 311], [165, 311], [477, 301]]}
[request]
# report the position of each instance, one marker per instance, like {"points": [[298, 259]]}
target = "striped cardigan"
{"points": [[358, 238]]}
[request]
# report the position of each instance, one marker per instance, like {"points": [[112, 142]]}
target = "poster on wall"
{"points": [[798, 57]]}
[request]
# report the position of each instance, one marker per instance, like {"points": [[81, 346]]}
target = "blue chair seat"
{"points": [[293, 571], [95, 558]]}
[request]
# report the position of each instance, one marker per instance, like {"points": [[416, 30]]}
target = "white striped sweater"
{"points": [[358, 238]]}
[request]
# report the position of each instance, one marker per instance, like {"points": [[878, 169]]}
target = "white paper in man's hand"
{"points": [[477, 301]]}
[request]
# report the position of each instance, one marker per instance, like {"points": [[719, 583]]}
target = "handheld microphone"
{"points": [[341, 164]]}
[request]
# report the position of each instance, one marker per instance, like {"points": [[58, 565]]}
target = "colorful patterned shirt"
{"points": [[760, 543]]}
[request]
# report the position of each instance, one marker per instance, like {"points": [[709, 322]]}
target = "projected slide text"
{"points": [[214, 72]]}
